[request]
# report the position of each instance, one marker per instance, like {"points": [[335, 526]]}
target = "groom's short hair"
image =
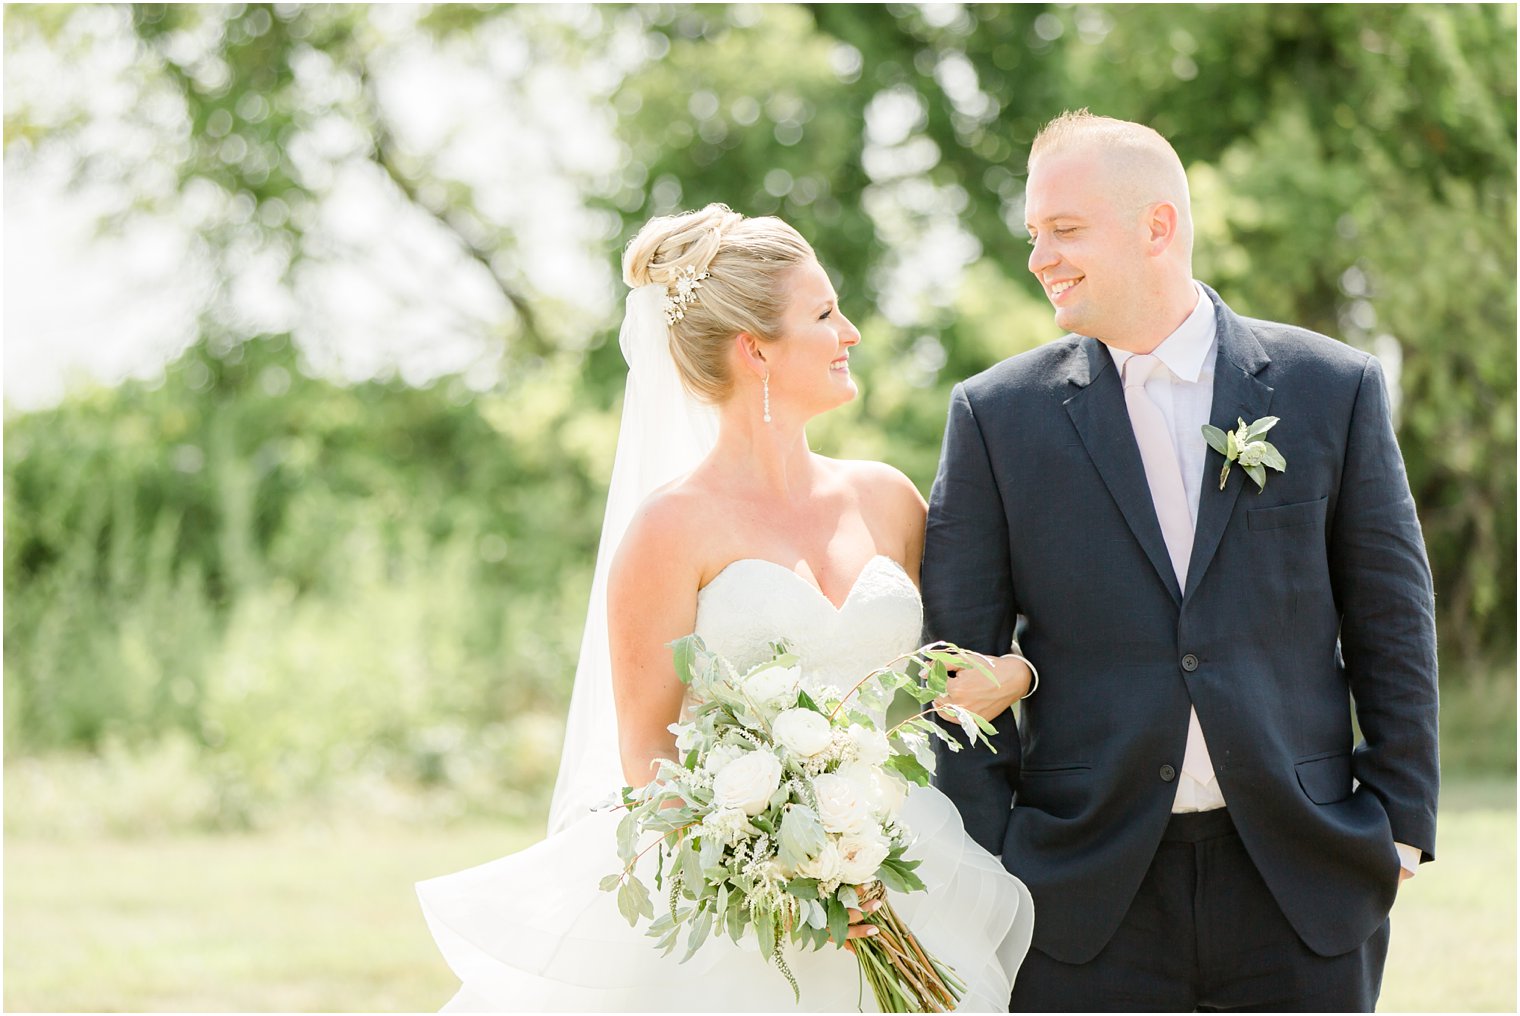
{"points": [[1082, 126], [1148, 160]]}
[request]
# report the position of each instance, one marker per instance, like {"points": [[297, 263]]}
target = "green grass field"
{"points": [[325, 920]]}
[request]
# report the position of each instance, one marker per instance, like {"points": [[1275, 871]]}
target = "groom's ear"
{"points": [[751, 353], [1161, 224]]}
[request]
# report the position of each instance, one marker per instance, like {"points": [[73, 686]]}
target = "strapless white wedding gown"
{"points": [[532, 931]]}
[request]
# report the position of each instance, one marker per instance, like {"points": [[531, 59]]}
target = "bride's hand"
{"points": [[858, 929], [970, 689]]}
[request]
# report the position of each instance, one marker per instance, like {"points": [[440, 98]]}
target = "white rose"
{"points": [[720, 756], [747, 782], [825, 866], [871, 746], [884, 791], [802, 730], [860, 857], [773, 685], [842, 806]]}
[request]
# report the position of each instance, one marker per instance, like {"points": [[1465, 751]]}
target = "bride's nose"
{"points": [[851, 334]]}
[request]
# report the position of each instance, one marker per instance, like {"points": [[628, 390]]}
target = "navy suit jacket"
{"points": [[1301, 599]]}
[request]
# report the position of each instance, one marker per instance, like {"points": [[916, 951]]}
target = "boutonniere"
{"points": [[1246, 446]]}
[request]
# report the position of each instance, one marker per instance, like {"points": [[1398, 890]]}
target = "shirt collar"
{"points": [[1185, 350]]}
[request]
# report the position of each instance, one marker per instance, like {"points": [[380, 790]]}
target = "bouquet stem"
{"points": [[902, 976]]}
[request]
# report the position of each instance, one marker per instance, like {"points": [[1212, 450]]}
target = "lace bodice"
{"points": [[753, 602]]}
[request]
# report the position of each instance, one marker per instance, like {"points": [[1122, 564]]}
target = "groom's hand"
{"points": [[971, 689]]}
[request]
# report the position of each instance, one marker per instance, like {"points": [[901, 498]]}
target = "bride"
{"points": [[722, 522]]}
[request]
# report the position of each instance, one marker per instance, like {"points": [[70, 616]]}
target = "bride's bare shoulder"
{"points": [[878, 482], [668, 529]]}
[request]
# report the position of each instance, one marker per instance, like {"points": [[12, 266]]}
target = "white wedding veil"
{"points": [[665, 433]]}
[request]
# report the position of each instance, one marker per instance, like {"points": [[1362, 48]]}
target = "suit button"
{"points": [[1168, 774], [1190, 663]]}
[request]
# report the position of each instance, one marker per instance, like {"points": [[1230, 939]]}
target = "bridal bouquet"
{"points": [[781, 815]]}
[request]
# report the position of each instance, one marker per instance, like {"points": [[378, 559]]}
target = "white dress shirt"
{"points": [[1184, 393]]}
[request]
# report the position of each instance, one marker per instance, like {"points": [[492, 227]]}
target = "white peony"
{"points": [[871, 746], [804, 731], [825, 866], [860, 856], [774, 685], [884, 791], [747, 782], [842, 803]]}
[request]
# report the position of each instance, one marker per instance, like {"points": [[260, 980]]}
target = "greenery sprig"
{"points": [[1246, 446]]}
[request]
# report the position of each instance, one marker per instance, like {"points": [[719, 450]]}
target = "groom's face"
{"points": [[1089, 243]]}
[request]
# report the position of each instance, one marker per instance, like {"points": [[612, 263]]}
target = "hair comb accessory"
{"points": [[686, 284]]}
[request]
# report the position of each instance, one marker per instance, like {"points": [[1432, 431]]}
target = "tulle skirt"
{"points": [[532, 931]]}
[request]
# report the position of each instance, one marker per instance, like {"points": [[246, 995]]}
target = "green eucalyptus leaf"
{"points": [[765, 930], [1260, 427], [891, 878], [839, 921], [1273, 458], [1215, 438], [684, 651], [610, 883], [1257, 473], [801, 837], [633, 901], [627, 832], [938, 679], [737, 916], [665, 941], [689, 864], [803, 888], [911, 768], [710, 855], [699, 930], [967, 719], [903, 870]]}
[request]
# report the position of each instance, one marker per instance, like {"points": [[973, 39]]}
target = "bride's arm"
{"points": [[651, 602], [968, 688]]}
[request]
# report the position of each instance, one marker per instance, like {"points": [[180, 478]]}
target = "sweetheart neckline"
{"points": [[848, 596]]}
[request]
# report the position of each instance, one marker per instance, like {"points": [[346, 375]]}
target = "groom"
{"points": [[1182, 794]]}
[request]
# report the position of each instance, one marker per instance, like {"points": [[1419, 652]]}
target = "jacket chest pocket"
{"points": [[1286, 516]]}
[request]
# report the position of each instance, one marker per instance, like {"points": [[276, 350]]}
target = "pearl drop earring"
{"points": [[765, 384]]}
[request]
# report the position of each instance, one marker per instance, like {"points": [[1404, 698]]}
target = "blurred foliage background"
{"points": [[305, 563]]}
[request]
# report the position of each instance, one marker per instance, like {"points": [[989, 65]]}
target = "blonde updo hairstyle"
{"points": [[746, 259]]}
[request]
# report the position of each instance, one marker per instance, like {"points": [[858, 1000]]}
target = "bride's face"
{"points": [[810, 361]]}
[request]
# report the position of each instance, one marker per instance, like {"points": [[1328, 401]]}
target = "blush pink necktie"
{"points": [[1164, 476]]}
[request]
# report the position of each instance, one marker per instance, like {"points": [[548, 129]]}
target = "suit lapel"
{"points": [[1098, 412], [1238, 395]]}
